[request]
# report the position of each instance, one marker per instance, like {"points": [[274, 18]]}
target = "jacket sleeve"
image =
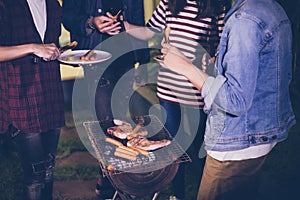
{"points": [[135, 12], [2, 23], [233, 90], [135, 15], [75, 16]]}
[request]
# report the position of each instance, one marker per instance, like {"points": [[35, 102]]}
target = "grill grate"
{"points": [[158, 159]]}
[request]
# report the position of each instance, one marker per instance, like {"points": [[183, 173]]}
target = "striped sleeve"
{"points": [[158, 19]]}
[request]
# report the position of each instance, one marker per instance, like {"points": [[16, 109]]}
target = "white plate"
{"points": [[73, 57], [159, 60]]}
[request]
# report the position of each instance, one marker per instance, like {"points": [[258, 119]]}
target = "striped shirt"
{"points": [[193, 36]]}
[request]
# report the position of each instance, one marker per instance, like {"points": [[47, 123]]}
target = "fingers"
{"points": [[165, 48], [111, 29], [50, 52], [106, 25], [54, 52], [169, 50]]}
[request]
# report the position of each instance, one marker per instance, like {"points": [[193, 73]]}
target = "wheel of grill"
{"points": [[142, 184]]}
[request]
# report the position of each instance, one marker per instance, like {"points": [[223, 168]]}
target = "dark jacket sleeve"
{"points": [[135, 15], [75, 16], [135, 12]]}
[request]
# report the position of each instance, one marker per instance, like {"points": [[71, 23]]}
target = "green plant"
{"points": [[82, 172], [66, 147]]}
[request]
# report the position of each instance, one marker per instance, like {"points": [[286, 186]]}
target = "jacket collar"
{"points": [[236, 6]]}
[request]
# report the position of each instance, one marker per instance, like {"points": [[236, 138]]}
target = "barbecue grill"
{"points": [[147, 174]]}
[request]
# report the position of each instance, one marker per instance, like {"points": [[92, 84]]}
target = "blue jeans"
{"points": [[196, 118], [37, 154]]}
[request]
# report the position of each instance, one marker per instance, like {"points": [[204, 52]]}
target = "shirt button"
{"points": [[99, 10], [238, 15], [268, 35]]}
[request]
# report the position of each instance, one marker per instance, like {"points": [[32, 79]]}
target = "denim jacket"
{"points": [[248, 102]]}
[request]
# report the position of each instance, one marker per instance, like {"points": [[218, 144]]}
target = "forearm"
{"points": [[195, 75], [139, 32], [177, 62], [13, 52]]}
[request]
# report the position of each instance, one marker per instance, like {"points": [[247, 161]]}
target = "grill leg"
{"points": [[155, 195]]}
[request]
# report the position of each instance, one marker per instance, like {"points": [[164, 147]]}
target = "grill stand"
{"points": [[151, 183], [136, 182], [116, 195]]}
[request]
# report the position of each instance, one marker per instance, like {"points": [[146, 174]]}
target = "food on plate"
{"points": [[125, 156], [144, 143], [69, 58], [89, 56], [70, 46], [121, 130], [113, 141], [93, 57]]}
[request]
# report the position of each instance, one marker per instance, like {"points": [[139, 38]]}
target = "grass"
{"points": [[10, 172], [67, 147], [82, 172]]}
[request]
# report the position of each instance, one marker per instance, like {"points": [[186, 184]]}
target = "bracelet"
{"points": [[90, 24]]}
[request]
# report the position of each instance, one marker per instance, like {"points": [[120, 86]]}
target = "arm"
{"points": [[105, 25], [47, 51], [157, 23], [139, 32], [76, 17], [233, 89], [177, 62]]}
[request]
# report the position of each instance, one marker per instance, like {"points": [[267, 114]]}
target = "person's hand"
{"points": [[46, 51], [106, 25], [174, 59]]}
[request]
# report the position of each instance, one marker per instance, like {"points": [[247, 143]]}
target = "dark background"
{"points": [[281, 175]]}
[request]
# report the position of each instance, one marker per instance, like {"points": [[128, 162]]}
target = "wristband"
{"points": [[90, 25]]}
